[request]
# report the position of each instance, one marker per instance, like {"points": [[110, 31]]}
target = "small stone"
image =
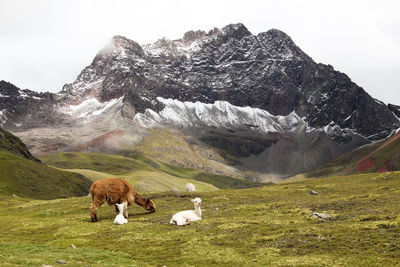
{"points": [[73, 246], [255, 260], [312, 192], [217, 209], [15, 196], [174, 190], [46, 265], [61, 261], [323, 216]]}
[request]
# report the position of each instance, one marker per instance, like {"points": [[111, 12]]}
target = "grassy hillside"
{"points": [[113, 164], [385, 158], [265, 226], [376, 157], [13, 144], [29, 178], [176, 148], [342, 163], [144, 173]]}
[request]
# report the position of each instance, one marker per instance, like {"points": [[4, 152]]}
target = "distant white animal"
{"points": [[190, 187], [120, 219], [187, 216]]}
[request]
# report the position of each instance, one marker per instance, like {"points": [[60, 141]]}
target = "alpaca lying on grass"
{"points": [[120, 219], [187, 216], [116, 190]]}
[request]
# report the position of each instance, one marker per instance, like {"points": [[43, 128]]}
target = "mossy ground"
{"points": [[272, 224]]}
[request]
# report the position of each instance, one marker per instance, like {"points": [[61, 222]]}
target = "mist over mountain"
{"points": [[244, 103]]}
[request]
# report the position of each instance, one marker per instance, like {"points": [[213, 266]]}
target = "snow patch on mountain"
{"points": [[3, 117], [90, 107], [220, 114]]}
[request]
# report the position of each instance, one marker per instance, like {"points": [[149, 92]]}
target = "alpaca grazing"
{"points": [[116, 190], [187, 216], [120, 219], [190, 187]]}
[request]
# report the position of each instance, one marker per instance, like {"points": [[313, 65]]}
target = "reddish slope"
{"points": [[381, 156], [104, 143], [384, 158]]}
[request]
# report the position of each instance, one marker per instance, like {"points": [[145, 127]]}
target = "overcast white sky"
{"points": [[46, 43]]}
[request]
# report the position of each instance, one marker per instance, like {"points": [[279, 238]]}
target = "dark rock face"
{"points": [[395, 109], [239, 147], [21, 109]]}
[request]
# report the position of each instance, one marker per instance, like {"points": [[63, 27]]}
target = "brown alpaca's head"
{"points": [[150, 206]]}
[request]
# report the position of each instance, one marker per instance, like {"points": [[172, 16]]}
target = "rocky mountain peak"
{"points": [[267, 71], [279, 45], [8, 89], [191, 36], [236, 31], [120, 45]]}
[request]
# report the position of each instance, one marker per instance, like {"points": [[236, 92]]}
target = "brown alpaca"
{"points": [[116, 190]]}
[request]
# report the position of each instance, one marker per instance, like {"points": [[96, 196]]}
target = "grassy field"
{"points": [[145, 174], [263, 226]]}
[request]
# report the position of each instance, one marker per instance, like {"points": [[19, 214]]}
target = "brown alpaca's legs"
{"points": [[93, 212], [93, 209]]}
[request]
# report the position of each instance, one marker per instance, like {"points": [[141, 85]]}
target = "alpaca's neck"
{"points": [[197, 210], [141, 201]]}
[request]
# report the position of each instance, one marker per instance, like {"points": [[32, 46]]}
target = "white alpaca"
{"points": [[120, 219], [187, 216], [190, 187]]}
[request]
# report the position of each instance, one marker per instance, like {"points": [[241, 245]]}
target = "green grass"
{"points": [[113, 164], [28, 178], [143, 172], [272, 224], [224, 182]]}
